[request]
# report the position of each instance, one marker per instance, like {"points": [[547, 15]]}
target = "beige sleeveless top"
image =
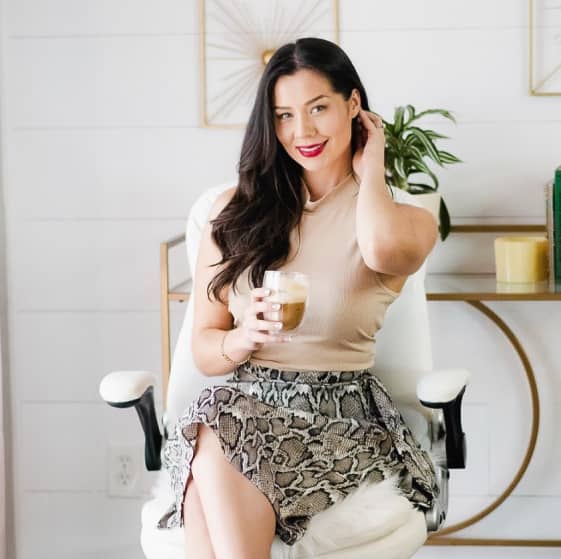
{"points": [[347, 301]]}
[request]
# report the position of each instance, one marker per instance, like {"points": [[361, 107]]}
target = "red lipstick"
{"points": [[313, 150]]}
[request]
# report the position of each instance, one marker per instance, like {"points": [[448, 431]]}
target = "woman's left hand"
{"points": [[371, 155]]}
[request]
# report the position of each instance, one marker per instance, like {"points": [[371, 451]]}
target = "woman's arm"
{"points": [[212, 318], [393, 238], [212, 322]]}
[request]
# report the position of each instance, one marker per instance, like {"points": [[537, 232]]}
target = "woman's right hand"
{"points": [[254, 330], [370, 154]]}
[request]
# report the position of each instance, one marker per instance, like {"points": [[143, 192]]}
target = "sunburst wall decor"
{"points": [[545, 47], [237, 40]]}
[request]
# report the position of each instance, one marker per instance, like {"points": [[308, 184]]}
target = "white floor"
{"points": [[427, 552], [476, 552], [128, 552]]}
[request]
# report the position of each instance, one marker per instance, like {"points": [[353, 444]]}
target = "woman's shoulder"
{"points": [[222, 201]]}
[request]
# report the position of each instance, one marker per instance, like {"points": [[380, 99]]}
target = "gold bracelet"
{"points": [[226, 357]]}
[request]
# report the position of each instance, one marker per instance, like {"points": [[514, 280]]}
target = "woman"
{"points": [[302, 422]]}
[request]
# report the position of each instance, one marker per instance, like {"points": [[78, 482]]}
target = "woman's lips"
{"points": [[312, 150]]}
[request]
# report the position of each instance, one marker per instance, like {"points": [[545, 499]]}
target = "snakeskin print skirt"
{"points": [[306, 439]]}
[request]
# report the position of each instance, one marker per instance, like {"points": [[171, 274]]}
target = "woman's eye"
{"points": [[319, 107], [283, 116]]}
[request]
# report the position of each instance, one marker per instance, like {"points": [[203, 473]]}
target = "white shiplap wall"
{"points": [[103, 158]]}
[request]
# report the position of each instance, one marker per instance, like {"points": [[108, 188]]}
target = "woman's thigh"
{"points": [[240, 518]]}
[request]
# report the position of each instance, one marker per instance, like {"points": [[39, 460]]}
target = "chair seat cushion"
{"points": [[374, 521]]}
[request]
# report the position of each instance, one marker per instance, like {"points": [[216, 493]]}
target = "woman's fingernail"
{"points": [[276, 306], [267, 291], [278, 325]]}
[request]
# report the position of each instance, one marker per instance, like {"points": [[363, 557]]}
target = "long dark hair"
{"points": [[253, 230]]}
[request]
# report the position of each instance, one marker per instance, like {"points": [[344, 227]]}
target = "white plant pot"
{"points": [[431, 202]]}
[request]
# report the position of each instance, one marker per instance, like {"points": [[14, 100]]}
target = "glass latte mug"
{"points": [[290, 290]]}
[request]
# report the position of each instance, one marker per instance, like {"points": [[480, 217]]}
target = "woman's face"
{"points": [[312, 121]]}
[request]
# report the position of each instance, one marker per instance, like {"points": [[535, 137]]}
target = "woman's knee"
{"points": [[196, 536], [231, 502]]}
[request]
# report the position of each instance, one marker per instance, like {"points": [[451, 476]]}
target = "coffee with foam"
{"points": [[290, 290]]}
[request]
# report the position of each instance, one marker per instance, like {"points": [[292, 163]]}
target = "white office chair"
{"points": [[375, 521]]}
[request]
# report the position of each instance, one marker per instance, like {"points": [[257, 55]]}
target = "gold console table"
{"points": [[472, 289]]}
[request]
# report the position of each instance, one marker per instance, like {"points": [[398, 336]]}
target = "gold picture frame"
{"points": [[545, 47], [237, 38]]}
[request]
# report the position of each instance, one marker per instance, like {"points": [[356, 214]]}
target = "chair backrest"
{"points": [[403, 349]]}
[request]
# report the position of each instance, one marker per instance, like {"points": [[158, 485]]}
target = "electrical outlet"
{"points": [[124, 471]]}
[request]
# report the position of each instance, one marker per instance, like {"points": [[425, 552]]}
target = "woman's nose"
{"points": [[304, 127]]}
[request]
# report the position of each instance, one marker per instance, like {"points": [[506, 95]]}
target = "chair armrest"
{"points": [[444, 390], [123, 389], [440, 387]]}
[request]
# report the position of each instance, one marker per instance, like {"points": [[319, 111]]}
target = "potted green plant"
{"points": [[408, 147]]}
